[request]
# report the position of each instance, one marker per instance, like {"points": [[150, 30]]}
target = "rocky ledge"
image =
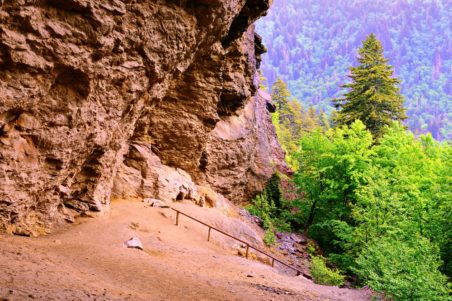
{"points": [[147, 99]]}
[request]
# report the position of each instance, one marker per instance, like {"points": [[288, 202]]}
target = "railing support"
{"points": [[248, 246]]}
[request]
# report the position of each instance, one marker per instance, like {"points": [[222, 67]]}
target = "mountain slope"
{"points": [[311, 44]]}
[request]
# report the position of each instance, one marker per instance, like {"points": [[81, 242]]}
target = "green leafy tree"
{"points": [[408, 193], [405, 270], [374, 96], [381, 211], [332, 166]]}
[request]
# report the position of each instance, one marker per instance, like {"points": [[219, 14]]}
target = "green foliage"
{"points": [[324, 275], [373, 96], [408, 192], [381, 211], [332, 166], [269, 206], [311, 249], [263, 207], [404, 270], [269, 238], [312, 43], [262, 81], [291, 120], [280, 94]]}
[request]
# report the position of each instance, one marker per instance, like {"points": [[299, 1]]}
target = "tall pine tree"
{"points": [[374, 96]]}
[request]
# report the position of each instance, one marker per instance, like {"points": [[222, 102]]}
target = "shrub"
{"points": [[324, 275], [269, 238], [269, 206], [311, 249], [404, 270]]}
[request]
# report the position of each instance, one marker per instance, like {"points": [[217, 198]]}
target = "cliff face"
{"points": [[128, 98]]}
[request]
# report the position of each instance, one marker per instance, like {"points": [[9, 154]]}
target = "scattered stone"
{"points": [[64, 190], [69, 218], [134, 226], [88, 214], [274, 290], [134, 242], [155, 203], [298, 238], [164, 214], [252, 218], [293, 247]]}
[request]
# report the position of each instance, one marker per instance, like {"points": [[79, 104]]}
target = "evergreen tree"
{"points": [[291, 120], [311, 120], [324, 121], [280, 93], [374, 96]]}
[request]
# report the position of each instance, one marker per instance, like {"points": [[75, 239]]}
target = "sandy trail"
{"points": [[88, 261]]}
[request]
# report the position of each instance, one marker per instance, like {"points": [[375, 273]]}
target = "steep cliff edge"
{"points": [[131, 98]]}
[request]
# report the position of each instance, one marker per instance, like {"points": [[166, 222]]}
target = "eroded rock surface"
{"points": [[143, 98]]}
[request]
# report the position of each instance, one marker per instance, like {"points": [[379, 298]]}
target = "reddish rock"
{"points": [[84, 83]]}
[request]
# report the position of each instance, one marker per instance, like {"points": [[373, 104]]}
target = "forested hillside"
{"points": [[312, 43], [374, 199]]}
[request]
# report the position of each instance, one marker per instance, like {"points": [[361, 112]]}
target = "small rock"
{"points": [[298, 239], [249, 275], [88, 214], [134, 226], [155, 203], [164, 214], [64, 190], [134, 242], [257, 220]]}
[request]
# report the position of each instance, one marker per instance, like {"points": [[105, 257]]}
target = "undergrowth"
{"points": [[268, 206], [323, 274]]}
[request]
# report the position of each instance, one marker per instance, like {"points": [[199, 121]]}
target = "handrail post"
{"points": [[248, 246]]}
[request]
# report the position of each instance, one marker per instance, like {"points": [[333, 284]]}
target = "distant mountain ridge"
{"points": [[312, 43]]}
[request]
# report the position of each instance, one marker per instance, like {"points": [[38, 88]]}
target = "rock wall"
{"points": [[135, 98]]}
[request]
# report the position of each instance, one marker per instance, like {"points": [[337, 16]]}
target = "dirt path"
{"points": [[88, 261]]}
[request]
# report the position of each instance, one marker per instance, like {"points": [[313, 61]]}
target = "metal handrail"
{"points": [[248, 246]]}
